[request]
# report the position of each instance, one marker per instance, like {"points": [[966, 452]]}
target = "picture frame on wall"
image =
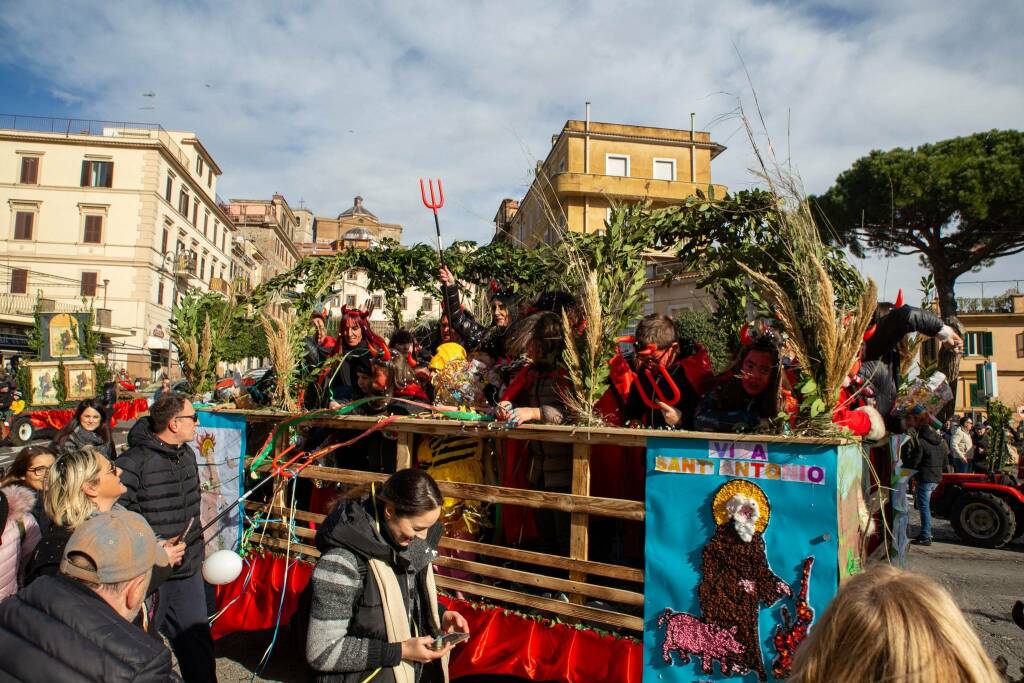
{"points": [[80, 380], [42, 380]]}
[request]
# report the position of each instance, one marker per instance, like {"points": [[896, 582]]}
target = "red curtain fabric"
{"points": [[501, 643], [511, 645], [257, 603], [57, 419]]}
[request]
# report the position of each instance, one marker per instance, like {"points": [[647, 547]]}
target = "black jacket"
{"points": [[351, 526], [59, 630], [638, 410], [892, 328], [927, 453], [163, 487], [81, 437]]}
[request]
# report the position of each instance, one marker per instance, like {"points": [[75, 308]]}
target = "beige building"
{"points": [[994, 332], [359, 228], [270, 225], [129, 211], [592, 165]]}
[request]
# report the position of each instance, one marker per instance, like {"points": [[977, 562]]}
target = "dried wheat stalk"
{"points": [[282, 357]]}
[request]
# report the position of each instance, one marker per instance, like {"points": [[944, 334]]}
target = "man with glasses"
{"points": [[160, 472]]}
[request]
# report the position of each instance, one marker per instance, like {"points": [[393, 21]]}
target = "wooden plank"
{"points": [[551, 583], [566, 502], [280, 444], [282, 544], [403, 450], [556, 433], [579, 533], [566, 609], [612, 571]]}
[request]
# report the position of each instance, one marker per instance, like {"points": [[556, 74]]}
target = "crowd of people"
{"points": [[101, 551]]}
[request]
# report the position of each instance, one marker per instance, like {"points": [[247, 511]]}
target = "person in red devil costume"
{"points": [[471, 334], [358, 342], [669, 377]]}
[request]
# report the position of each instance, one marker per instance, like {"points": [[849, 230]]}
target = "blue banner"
{"points": [[220, 453], [742, 553]]}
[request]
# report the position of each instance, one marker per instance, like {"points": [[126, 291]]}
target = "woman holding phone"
{"points": [[375, 615]]}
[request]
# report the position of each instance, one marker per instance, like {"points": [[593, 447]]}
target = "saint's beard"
{"points": [[745, 528]]}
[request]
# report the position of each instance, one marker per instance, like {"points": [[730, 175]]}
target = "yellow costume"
{"points": [[452, 458]]}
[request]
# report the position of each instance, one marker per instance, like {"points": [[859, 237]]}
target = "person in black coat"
{"points": [[76, 630], [159, 470], [893, 323], [927, 453]]}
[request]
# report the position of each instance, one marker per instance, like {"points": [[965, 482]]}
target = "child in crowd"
{"points": [[890, 625], [664, 393], [746, 396]]}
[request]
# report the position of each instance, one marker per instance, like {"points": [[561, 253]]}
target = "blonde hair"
{"points": [[894, 626], [65, 502]]}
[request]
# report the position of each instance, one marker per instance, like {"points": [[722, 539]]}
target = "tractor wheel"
{"points": [[22, 430], [983, 520]]}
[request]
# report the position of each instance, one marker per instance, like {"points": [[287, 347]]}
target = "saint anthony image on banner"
{"points": [[735, 583], [64, 337]]}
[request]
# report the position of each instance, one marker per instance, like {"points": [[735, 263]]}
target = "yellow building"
{"points": [[270, 224], [109, 206], [592, 165]]}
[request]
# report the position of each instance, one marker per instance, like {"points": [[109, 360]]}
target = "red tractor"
{"points": [[986, 510]]}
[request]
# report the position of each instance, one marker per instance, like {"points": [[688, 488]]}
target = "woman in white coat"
{"points": [[963, 446]]}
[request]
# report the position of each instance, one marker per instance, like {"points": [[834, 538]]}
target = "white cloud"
{"points": [[325, 101]]}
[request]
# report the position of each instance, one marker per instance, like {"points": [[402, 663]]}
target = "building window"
{"points": [[160, 292], [29, 171], [617, 165], [206, 225], [428, 304], [23, 223], [183, 202], [163, 241], [169, 189], [209, 178], [195, 211], [1020, 345], [978, 344], [202, 268], [199, 166], [351, 276], [19, 281], [97, 173], [93, 230], [977, 399], [403, 302], [664, 169], [378, 302], [350, 300], [89, 281]]}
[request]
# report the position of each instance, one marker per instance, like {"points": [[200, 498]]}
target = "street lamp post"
{"points": [[174, 295]]}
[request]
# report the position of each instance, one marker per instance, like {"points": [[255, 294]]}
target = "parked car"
{"points": [[178, 386]]}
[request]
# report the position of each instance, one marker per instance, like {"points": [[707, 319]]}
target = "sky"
{"points": [[324, 101]]}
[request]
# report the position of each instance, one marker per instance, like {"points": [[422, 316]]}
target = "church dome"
{"points": [[358, 210]]}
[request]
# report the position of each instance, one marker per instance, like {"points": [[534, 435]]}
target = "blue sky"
{"points": [[324, 101]]}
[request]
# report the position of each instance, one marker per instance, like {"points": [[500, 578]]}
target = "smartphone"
{"points": [[180, 537], [449, 639]]}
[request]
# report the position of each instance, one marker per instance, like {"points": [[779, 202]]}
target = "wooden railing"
{"points": [[578, 503]]}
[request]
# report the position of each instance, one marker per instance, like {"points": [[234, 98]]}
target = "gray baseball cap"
{"points": [[120, 544]]}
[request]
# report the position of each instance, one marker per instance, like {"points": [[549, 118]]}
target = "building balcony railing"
{"points": [[220, 285], [990, 304], [108, 129], [632, 188], [25, 304]]}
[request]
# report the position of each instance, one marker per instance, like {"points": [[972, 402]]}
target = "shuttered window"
{"points": [[19, 281], [97, 173], [29, 170], [23, 221], [89, 283], [93, 230]]}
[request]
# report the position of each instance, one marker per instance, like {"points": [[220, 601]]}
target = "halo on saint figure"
{"points": [[744, 488]]}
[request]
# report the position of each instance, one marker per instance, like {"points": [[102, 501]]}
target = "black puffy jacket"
{"points": [[892, 328], [163, 487], [927, 453], [59, 630]]}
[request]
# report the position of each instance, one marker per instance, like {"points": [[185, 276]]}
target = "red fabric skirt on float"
{"points": [[501, 644], [57, 419]]}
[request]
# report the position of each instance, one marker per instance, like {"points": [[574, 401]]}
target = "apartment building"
{"points": [[993, 332], [590, 167], [270, 224], [128, 210]]}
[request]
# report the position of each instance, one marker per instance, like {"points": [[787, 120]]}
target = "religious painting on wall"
{"points": [[63, 335], [742, 552], [42, 378], [80, 381]]}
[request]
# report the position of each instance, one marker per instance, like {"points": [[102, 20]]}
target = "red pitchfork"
{"points": [[434, 204]]}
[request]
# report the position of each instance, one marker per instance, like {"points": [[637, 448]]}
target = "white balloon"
{"points": [[222, 567]]}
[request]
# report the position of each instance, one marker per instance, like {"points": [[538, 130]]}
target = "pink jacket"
{"points": [[20, 536]]}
